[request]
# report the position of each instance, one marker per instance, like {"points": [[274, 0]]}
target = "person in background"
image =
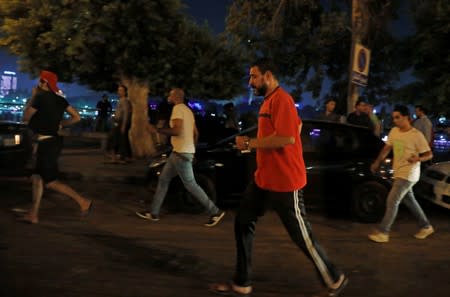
{"points": [[410, 149], [122, 122], [375, 120], [423, 124], [329, 113], [231, 123], [104, 109], [360, 117], [44, 114]]}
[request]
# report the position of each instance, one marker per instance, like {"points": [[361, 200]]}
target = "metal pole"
{"points": [[353, 91]]}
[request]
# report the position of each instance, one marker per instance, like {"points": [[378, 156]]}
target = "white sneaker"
{"points": [[147, 216], [378, 236], [424, 232]]}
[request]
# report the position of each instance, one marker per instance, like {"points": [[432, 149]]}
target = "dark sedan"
{"points": [[15, 148], [337, 158]]}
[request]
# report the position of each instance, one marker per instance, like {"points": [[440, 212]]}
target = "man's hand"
{"points": [[242, 142], [151, 128], [414, 159], [374, 166]]}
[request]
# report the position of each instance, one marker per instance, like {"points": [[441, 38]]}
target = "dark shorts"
{"points": [[47, 155]]}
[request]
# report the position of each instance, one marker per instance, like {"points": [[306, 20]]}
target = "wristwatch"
{"points": [[247, 144]]}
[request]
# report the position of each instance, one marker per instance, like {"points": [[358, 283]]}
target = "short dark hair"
{"points": [[402, 109], [422, 109], [359, 102], [329, 100], [264, 65], [124, 88]]}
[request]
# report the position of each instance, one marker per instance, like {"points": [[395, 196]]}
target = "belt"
{"points": [[41, 137]]}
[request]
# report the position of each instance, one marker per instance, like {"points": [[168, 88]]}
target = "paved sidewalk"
{"points": [[113, 253], [92, 164]]}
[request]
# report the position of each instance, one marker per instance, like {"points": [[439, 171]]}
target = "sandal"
{"points": [[230, 289], [87, 212], [27, 218]]}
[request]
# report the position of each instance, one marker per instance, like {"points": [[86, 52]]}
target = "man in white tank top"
{"points": [[184, 134]]}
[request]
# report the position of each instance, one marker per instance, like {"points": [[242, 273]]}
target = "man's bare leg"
{"points": [[59, 187], [32, 216]]}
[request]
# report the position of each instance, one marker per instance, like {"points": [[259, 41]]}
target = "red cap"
{"points": [[51, 79]]}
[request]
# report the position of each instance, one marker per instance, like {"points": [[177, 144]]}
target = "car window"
{"points": [[326, 138]]}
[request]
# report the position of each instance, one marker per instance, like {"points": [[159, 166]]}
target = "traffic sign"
{"points": [[360, 68]]}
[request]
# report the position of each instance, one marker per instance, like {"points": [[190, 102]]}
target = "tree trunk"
{"points": [[142, 144]]}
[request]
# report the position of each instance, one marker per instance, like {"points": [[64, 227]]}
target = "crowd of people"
{"points": [[278, 180], [364, 116]]}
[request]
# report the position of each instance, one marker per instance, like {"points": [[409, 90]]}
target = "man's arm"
{"points": [[175, 130], [74, 117], [29, 111], [196, 134], [381, 156], [421, 158], [269, 142]]}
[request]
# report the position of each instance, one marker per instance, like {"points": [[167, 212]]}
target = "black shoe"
{"points": [[333, 292], [146, 215], [215, 219]]}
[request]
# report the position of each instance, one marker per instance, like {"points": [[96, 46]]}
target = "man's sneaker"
{"points": [[338, 286], [378, 236], [215, 219], [424, 232], [146, 215]]}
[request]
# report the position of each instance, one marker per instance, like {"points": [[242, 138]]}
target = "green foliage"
{"points": [[311, 42], [99, 42], [430, 54]]}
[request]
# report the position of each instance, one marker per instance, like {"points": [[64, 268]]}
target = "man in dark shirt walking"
{"points": [[44, 112]]}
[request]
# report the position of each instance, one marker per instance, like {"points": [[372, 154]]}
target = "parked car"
{"points": [[434, 184], [337, 158], [15, 148]]}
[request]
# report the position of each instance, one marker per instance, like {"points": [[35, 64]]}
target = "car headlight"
{"points": [[385, 170], [11, 140]]}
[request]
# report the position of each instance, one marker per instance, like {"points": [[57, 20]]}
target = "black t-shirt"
{"points": [[362, 119], [104, 107], [50, 110]]}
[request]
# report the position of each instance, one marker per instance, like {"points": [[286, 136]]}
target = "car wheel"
{"points": [[369, 202]]}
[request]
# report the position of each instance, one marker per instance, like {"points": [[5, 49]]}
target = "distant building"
{"points": [[8, 82]]}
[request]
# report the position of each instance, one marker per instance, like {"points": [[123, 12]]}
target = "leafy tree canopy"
{"points": [[430, 55], [311, 42], [98, 43]]}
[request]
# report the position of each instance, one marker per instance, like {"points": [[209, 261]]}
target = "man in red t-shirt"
{"points": [[279, 178]]}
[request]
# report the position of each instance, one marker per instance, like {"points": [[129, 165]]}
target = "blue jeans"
{"points": [[402, 192], [180, 164]]}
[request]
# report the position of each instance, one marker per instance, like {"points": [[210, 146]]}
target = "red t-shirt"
{"points": [[283, 169]]}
